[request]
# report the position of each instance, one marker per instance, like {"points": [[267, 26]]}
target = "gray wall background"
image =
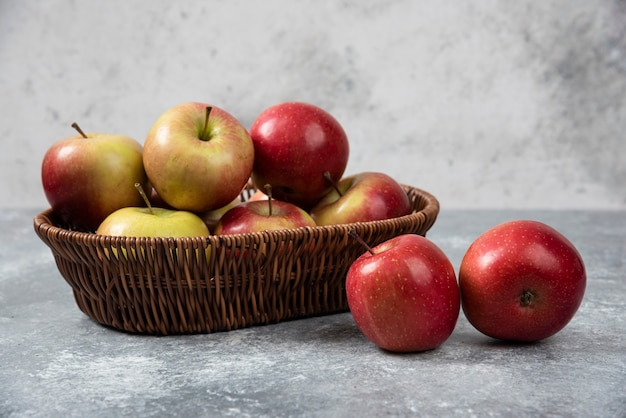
{"points": [[490, 104]]}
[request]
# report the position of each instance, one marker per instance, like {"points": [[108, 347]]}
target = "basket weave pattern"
{"points": [[218, 283]]}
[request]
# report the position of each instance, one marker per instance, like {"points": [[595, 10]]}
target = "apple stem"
{"points": [[206, 123], [145, 197], [80, 131], [331, 181], [353, 234], [527, 298], [268, 192]]}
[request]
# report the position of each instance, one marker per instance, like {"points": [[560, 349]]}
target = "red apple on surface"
{"points": [[262, 215], [403, 294], [521, 281], [294, 144], [198, 157], [86, 177], [362, 197]]}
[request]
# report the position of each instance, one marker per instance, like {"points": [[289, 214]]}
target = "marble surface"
{"points": [[56, 362], [484, 104]]}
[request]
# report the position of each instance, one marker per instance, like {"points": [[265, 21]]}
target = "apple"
{"points": [[362, 197], [263, 215], [152, 221], [198, 157], [295, 144], [521, 281], [86, 177], [403, 294]]}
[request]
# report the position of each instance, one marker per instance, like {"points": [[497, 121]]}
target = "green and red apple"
{"points": [[86, 177], [262, 215], [363, 197], [153, 222], [198, 157]]}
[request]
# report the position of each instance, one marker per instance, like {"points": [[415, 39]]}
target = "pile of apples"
{"points": [[195, 162], [519, 281]]}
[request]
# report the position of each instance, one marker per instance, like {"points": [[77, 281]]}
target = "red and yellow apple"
{"points": [[198, 157], [262, 215], [153, 222], [86, 177], [363, 197]]}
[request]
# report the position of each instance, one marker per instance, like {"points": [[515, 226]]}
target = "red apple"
{"points": [[521, 281], [86, 177], [294, 144], [198, 157], [262, 215], [403, 295], [362, 197]]}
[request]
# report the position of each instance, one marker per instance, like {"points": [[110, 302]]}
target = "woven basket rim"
{"points": [[430, 210]]}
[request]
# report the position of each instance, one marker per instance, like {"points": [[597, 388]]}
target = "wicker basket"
{"points": [[220, 283]]}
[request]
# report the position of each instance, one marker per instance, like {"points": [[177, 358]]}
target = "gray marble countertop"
{"points": [[56, 362]]}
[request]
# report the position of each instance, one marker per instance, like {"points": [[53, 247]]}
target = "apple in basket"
{"points": [[521, 281], [362, 197], [263, 215], [152, 222], [86, 177], [403, 294], [198, 157], [295, 144]]}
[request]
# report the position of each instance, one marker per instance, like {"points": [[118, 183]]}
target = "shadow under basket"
{"points": [[206, 284]]}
